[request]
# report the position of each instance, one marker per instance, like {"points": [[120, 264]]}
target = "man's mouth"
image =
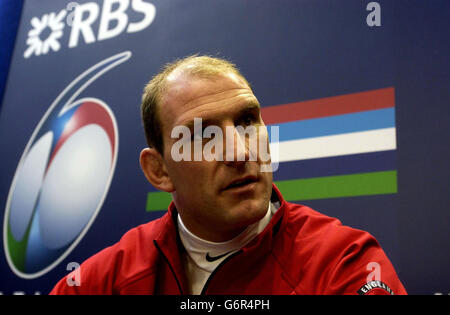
{"points": [[241, 182]]}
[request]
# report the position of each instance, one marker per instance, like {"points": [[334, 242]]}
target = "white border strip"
{"points": [[336, 145]]}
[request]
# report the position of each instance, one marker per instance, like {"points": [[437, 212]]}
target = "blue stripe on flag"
{"points": [[362, 121]]}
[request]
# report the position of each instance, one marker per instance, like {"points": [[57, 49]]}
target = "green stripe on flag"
{"points": [[363, 184], [157, 201]]}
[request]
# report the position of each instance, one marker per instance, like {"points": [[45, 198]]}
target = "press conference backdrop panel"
{"points": [[358, 89]]}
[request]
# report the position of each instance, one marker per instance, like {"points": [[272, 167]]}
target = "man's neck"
{"points": [[215, 235], [199, 248]]}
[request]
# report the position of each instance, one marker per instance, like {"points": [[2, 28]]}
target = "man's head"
{"points": [[196, 66], [216, 199]]}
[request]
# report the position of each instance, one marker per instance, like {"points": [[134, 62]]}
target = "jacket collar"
{"points": [[169, 243]]}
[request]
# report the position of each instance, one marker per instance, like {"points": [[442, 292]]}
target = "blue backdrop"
{"points": [[291, 51]]}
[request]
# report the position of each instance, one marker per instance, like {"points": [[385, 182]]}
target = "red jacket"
{"points": [[299, 252]]}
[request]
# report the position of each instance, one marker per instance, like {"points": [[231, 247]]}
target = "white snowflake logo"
{"points": [[45, 34]]}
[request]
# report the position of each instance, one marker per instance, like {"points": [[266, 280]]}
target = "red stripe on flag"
{"points": [[329, 106]]}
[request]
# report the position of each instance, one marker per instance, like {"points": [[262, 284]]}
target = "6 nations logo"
{"points": [[62, 177]]}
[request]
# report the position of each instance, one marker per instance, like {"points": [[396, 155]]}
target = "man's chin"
{"points": [[248, 212]]}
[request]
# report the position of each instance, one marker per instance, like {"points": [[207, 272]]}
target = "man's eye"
{"points": [[248, 119]]}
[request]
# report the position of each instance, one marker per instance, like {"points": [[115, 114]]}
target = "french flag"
{"points": [[340, 146]]}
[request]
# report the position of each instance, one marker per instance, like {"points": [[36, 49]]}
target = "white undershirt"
{"points": [[196, 265]]}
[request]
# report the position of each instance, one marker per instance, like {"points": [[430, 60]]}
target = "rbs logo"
{"points": [[113, 19]]}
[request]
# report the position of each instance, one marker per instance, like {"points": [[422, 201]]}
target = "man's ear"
{"points": [[153, 166]]}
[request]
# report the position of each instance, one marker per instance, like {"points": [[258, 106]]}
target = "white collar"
{"points": [[208, 255]]}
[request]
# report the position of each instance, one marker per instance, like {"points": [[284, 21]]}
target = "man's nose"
{"points": [[236, 148]]}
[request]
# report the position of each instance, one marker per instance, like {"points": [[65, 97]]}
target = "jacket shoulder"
{"points": [[133, 257], [329, 257]]}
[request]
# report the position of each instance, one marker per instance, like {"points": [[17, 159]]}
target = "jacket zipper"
{"points": [[170, 267], [205, 287]]}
